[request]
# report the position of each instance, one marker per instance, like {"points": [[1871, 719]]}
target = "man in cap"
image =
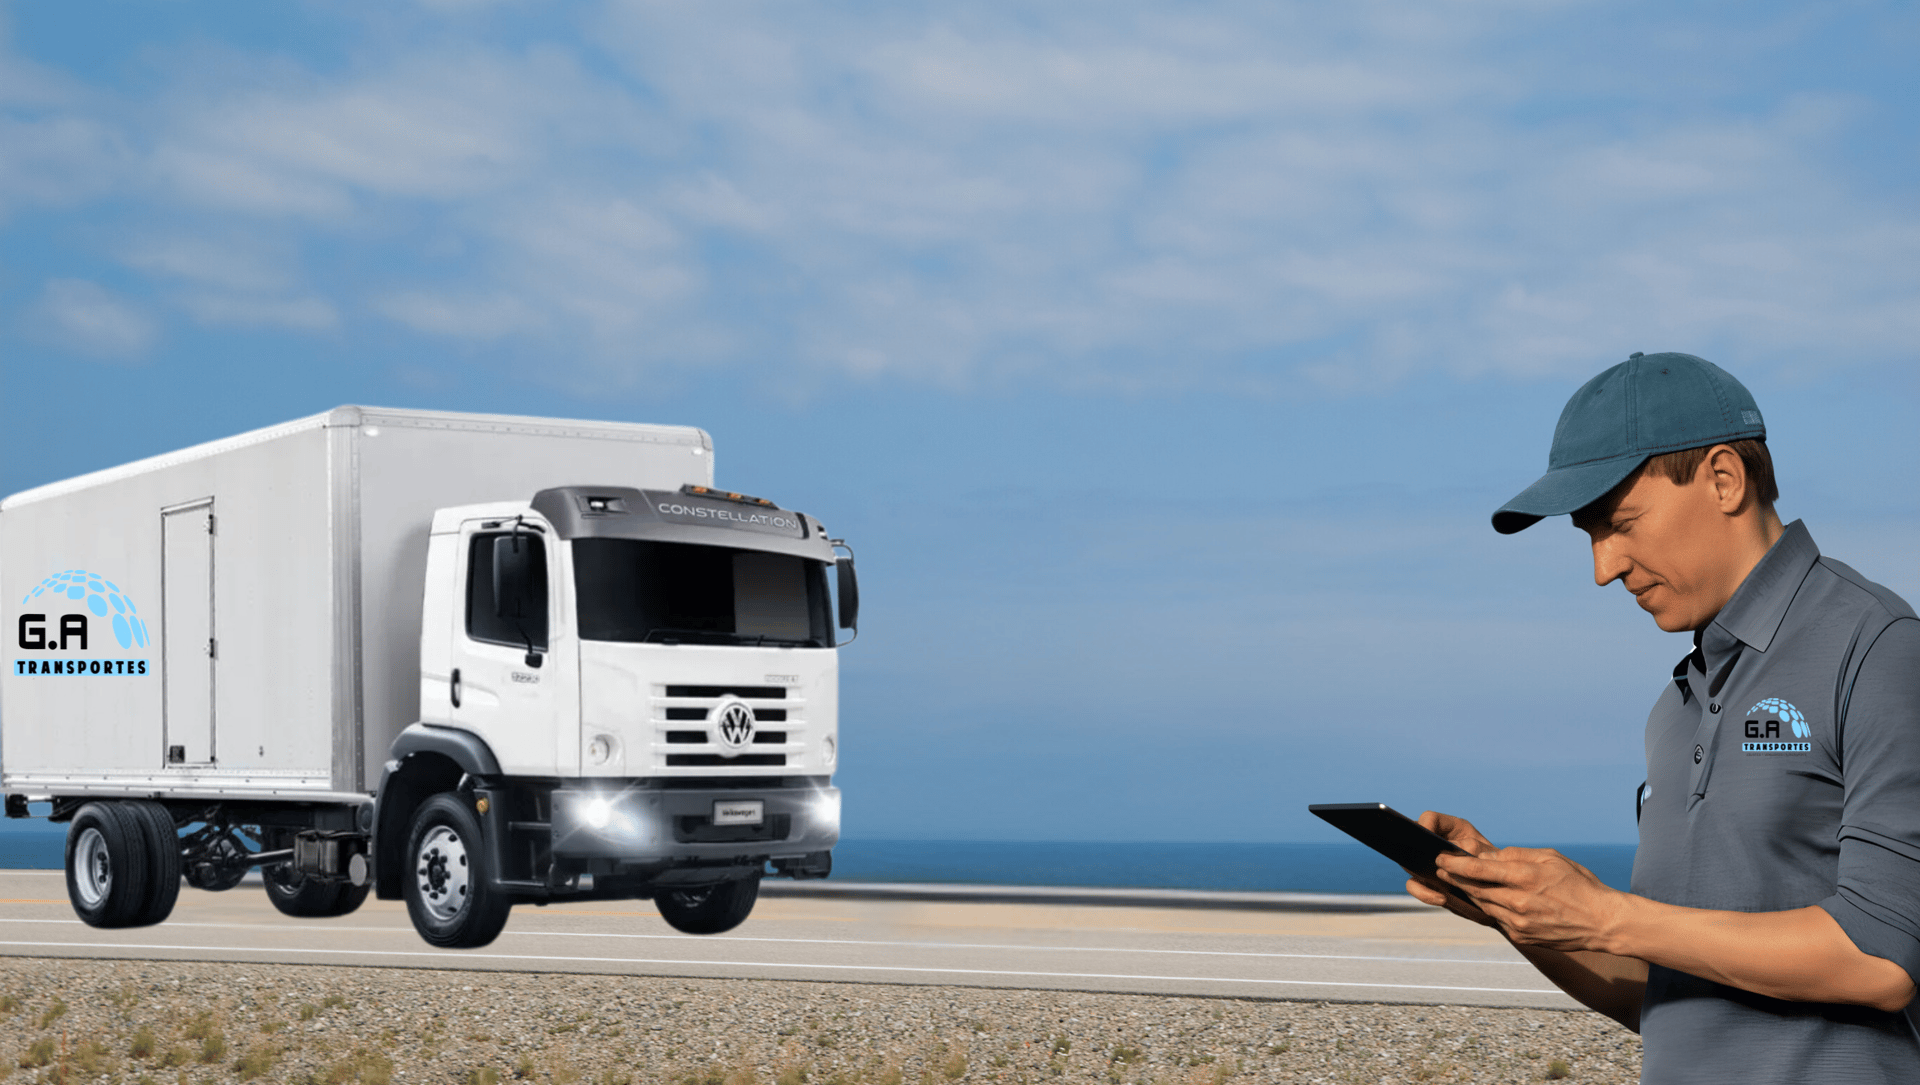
{"points": [[1773, 930]]}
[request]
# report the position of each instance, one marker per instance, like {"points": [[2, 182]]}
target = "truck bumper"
{"points": [[643, 827]]}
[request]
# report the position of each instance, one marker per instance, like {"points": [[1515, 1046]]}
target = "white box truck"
{"points": [[465, 660]]}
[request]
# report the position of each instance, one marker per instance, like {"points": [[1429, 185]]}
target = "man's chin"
{"points": [[1668, 619], [1672, 621]]}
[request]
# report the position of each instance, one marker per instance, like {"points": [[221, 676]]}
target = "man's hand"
{"points": [[1539, 897], [1612, 985], [1595, 941], [1535, 896], [1461, 834]]}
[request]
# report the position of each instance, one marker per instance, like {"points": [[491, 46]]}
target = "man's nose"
{"points": [[1609, 564]]}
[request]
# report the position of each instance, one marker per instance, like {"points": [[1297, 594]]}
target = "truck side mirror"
{"points": [[849, 585]]}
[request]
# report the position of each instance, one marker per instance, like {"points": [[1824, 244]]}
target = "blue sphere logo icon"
{"points": [[103, 598], [1788, 714]]}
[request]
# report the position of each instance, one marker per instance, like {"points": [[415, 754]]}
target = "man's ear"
{"points": [[1727, 473]]}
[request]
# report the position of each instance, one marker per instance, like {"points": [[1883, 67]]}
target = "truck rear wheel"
{"points": [[107, 865], [708, 909], [446, 886], [163, 861]]}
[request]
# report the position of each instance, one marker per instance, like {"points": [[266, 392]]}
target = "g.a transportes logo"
{"points": [[102, 596], [1788, 715], [1764, 721]]}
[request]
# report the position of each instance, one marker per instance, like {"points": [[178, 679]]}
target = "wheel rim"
{"points": [[92, 869], [693, 898], [441, 872]]}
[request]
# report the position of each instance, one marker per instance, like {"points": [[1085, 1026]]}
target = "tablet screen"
{"points": [[1387, 831]]}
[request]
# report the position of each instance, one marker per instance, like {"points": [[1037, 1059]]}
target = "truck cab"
{"points": [[628, 692]]}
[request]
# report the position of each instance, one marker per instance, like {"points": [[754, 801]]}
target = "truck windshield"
{"points": [[668, 593]]}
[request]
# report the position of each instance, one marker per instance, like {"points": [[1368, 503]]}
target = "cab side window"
{"points": [[507, 590]]}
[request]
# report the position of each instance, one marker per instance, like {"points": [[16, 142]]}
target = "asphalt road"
{"points": [[1240, 946]]}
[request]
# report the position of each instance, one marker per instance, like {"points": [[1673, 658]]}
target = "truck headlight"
{"points": [[596, 812], [610, 817], [826, 809]]}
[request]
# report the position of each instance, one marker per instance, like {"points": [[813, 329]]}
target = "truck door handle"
{"points": [[453, 688]]}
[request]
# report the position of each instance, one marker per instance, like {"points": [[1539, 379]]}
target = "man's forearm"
{"points": [[1614, 986], [1801, 955]]}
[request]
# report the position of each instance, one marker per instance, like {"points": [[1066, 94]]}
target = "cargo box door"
{"points": [[186, 643]]}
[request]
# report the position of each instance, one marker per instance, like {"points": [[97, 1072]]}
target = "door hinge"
{"points": [[213, 648], [210, 523]]}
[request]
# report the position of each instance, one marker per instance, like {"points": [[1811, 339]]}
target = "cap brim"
{"points": [[1563, 490]]}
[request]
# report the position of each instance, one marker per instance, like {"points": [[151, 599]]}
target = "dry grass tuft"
{"points": [[256, 1062], [1558, 1069], [38, 1055], [144, 1044], [90, 1058], [201, 1027]]}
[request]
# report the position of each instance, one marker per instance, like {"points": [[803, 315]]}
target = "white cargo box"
{"points": [[242, 618]]}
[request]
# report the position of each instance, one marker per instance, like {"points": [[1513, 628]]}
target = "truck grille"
{"points": [[679, 746]]}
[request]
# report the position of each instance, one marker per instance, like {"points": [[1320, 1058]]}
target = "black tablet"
{"points": [[1389, 832]]}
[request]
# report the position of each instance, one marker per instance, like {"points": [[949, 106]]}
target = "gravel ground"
{"points": [[166, 1022]]}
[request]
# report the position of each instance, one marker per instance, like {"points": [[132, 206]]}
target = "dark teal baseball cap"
{"points": [[1645, 406]]}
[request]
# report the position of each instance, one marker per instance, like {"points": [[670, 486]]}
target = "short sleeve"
{"points": [[1878, 898]]}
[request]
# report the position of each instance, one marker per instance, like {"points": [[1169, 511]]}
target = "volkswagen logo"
{"points": [[732, 724]]}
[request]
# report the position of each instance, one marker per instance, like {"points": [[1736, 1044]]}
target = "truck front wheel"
{"points": [[709, 909], [448, 897], [107, 865]]}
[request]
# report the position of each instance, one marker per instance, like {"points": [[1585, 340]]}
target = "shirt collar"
{"points": [[1753, 616]]}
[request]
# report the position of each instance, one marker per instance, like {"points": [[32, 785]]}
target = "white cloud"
{"points": [[89, 319], [229, 263], [458, 317], [55, 148], [1091, 194], [306, 313]]}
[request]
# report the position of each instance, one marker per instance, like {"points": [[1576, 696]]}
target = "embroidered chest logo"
{"points": [[1773, 725]]}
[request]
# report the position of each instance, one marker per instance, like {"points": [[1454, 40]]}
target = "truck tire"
{"points": [[106, 865], [351, 898], [448, 897], [163, 859], [297, 895], [708, 909], [302, 897]]}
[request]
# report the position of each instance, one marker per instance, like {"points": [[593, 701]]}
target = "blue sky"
{"points": [[1164, 363]]}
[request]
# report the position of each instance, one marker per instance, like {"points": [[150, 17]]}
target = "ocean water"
{"points": [[34, 844]]}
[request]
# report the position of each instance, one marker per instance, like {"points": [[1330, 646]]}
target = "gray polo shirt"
{"points": [[1783, 770]]}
